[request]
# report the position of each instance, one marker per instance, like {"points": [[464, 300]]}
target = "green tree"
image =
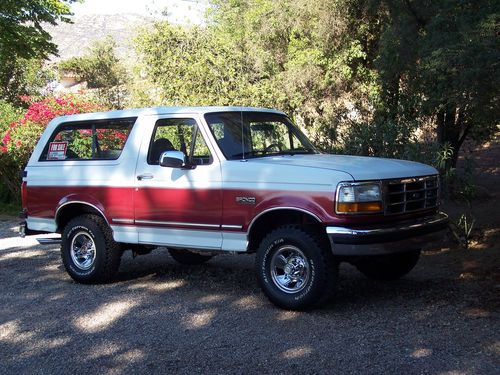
{"points": [[23, 77], [309, 58], [362, 76], [192, 66], [102, 70], [438, 63], [23, 41]]}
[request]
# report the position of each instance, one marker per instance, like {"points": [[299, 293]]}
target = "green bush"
{"points": [[21, 136]]}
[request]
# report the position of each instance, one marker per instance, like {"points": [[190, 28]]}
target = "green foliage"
{"points": [[380, 138], [284, 54], [8, 114], [102, 71], [23, 77], [9, 208], [21, 26], [19, 139], [456, 184], [438, 61], [462, 229], [24, 44], [192, 67], [443, 156]]}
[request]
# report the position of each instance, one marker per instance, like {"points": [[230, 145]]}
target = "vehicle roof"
{"points": [[162, 111]]}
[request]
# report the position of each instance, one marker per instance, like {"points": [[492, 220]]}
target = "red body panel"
{"points": [[24, 195], [199, 206], [114, 202], [192, 206]]}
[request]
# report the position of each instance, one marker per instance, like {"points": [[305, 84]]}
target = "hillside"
{"points": [[74, 39]]}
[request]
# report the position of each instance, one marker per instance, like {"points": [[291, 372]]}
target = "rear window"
{"points": [[88, 140]]}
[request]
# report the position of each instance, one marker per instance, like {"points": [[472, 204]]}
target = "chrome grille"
{"points": [[411, 194]]}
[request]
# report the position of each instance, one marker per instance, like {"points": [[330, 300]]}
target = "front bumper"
{"points": [[395, 238]]}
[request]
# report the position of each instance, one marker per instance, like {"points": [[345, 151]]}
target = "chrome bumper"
{"points": [[399, 237]]}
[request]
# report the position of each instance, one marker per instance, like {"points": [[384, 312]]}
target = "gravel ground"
{"points": [[159, 317]]}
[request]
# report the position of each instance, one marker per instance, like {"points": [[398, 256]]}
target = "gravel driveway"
{"points": [[162, 318]]}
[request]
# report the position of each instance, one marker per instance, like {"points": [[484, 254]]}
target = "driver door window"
{"points": [[177, 134]]}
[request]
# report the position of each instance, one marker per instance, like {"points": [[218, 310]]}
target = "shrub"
{"points": [[18, 140], [382, 138]]}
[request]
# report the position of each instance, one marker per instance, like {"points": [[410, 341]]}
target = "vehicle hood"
{"points": [[361, 168]]}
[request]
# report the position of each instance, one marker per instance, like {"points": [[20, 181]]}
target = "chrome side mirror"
{"points": [[173, 159]]}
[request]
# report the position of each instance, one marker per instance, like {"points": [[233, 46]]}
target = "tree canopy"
{"points": [[24, 42], [439, 61], [360, 75], [21, 26], [101, 69]]}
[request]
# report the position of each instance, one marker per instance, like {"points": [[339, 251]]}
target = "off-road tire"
{"points": [[308, 254], [187, 257], [388, 267], [107, 252]]}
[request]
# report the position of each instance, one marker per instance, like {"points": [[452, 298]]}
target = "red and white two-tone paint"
{"points": [[334, 207]]}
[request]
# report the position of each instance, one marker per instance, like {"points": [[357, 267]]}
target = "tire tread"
{"points": [[328, 276], [112, 250]]}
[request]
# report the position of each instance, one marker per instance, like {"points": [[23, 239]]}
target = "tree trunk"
{"points": [[451, 128]]}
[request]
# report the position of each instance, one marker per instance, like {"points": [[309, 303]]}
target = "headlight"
{"points": [[363, 197]]}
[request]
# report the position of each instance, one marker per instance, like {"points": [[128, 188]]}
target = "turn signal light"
{"points": [[359, 207]]}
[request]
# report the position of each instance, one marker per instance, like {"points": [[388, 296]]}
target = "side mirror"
{"points": [[172, 159]]}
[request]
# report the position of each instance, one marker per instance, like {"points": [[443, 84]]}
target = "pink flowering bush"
{"points": [[18, 140]]}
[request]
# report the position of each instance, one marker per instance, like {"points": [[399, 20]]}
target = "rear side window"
{"points": [[88, 140]]}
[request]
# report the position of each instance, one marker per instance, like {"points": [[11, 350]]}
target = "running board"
{"points": [[49, 241]]}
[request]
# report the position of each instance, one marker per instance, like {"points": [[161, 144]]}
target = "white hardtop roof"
{"points": [[161, 111]]}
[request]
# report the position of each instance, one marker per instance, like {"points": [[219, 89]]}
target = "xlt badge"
{"points": [[245, 200]]}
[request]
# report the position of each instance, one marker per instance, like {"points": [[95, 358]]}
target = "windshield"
{"points": [[244, 135]]}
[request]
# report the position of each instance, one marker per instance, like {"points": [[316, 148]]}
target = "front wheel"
{"points": [[88, 251], [388, 267], [295, 268]]}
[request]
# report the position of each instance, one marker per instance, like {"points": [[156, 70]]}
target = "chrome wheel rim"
{"points": [[290, 269], [83, 250]]}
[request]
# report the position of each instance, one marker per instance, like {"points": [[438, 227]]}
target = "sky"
{"points": [[179, 11]]}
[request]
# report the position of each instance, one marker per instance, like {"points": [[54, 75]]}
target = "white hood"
{"points": [[359, 167]]}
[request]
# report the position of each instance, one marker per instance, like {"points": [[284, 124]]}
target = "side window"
{"points": [[88, 140], [178, 134]]}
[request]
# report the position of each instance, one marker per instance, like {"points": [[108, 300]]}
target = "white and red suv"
{"points": [[208, 180]]}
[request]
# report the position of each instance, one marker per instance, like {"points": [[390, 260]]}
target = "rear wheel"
{"points": [[187, 257], [295, 268], [388, 267], [88, 251]]}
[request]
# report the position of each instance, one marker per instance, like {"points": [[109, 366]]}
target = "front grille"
{"points": [[411, 194]]}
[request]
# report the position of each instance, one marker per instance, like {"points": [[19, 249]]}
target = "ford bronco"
{"points": [[202, 181]]}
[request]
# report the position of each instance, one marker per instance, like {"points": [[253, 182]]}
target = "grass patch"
{"points": [[10, 209]]}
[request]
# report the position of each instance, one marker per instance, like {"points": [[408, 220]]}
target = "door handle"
{"points": [[145, 176]]}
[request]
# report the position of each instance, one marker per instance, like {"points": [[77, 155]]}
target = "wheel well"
{"points": [[72, 210], [273, 219]]}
